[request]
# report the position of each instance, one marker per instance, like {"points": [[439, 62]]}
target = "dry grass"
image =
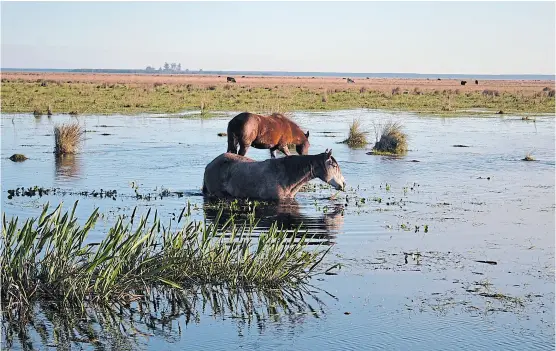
{"points": [[331, 83], [390, 139], [357, 138], [67, 138]]}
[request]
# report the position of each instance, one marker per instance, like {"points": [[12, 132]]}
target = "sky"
{"points": [[373, 37]]}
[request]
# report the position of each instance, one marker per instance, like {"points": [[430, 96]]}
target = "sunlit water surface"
{"points": [[479, 203]]}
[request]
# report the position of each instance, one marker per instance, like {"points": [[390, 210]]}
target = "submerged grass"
{"points": [[67, 138], [356, 137], [48, 259], [133, 98]]}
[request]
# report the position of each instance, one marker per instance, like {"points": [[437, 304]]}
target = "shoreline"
{"points": [[108, 93]]}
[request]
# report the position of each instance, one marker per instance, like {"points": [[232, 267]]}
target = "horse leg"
{"points": [[243, 149], [285, 150], [273, 153], [232, 143]]}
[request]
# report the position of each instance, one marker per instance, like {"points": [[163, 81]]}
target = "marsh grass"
{"points": [[390, 139], [133, 98], [49, 258], [357, 138], [67, 138]]}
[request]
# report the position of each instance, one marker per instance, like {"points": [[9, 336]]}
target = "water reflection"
{"points": [[67, 166], [287, 215], [162, 313]]}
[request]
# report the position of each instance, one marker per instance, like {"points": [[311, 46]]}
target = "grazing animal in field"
{"points": [[476, 82], [230, 79], [274, 132], [231, 175], [463, 82], [349, 80]]}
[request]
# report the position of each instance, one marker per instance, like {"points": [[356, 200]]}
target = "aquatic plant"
{"points": [[67, 138], [356, 137], [49, 259], [390, 139], [529, 157], [18, 157]]}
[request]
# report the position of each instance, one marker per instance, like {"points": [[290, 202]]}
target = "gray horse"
{"points": [[232, 175]]}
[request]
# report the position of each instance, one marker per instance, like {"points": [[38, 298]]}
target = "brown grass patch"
{"points": [[67, 138]]}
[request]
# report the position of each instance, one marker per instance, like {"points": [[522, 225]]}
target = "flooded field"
{"points": [[448, 247]]}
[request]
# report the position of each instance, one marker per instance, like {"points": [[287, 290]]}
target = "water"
{"points": [[479, 203]]}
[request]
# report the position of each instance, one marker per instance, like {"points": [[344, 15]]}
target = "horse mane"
{"points": [[298, 165]]}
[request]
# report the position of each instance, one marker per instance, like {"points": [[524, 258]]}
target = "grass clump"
{"points": [[67, 138], [18, 157], [529, 157], [390, 139], [356, 137], [49, 259]]}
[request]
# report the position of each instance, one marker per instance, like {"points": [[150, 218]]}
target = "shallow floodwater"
{"points": [[407, 234]]}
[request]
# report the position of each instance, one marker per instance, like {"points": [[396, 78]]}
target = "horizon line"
{"points": [[274, 71]]}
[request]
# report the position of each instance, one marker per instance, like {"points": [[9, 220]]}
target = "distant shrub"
{"points": [[489, 92]]}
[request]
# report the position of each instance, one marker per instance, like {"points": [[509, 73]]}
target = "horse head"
{"points": [[330, 172], [303, 147]]}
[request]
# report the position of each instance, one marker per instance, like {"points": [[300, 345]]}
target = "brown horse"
{"points": [[273, 132], [231, 175]]}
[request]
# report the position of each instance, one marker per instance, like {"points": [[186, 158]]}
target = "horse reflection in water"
{"points": [[286, 214]]}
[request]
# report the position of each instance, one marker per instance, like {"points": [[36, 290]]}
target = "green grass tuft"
{"points": [[390, 139], [356, 137]]}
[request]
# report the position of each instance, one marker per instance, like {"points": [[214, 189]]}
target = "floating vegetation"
{"points": [[18, 157], [528, 157], [67, 138], [48, 258], [390, 139]]}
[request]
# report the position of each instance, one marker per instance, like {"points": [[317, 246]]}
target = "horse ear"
{"points": [[307, 134], [329, 153]]}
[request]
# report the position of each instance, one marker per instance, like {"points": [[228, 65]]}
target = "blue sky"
{"points": [[402, 37]]}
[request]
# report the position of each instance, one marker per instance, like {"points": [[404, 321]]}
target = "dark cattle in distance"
{"points": [[230, 79]]}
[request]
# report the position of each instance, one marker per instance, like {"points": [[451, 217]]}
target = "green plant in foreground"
{"points": [[48, 258]]}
